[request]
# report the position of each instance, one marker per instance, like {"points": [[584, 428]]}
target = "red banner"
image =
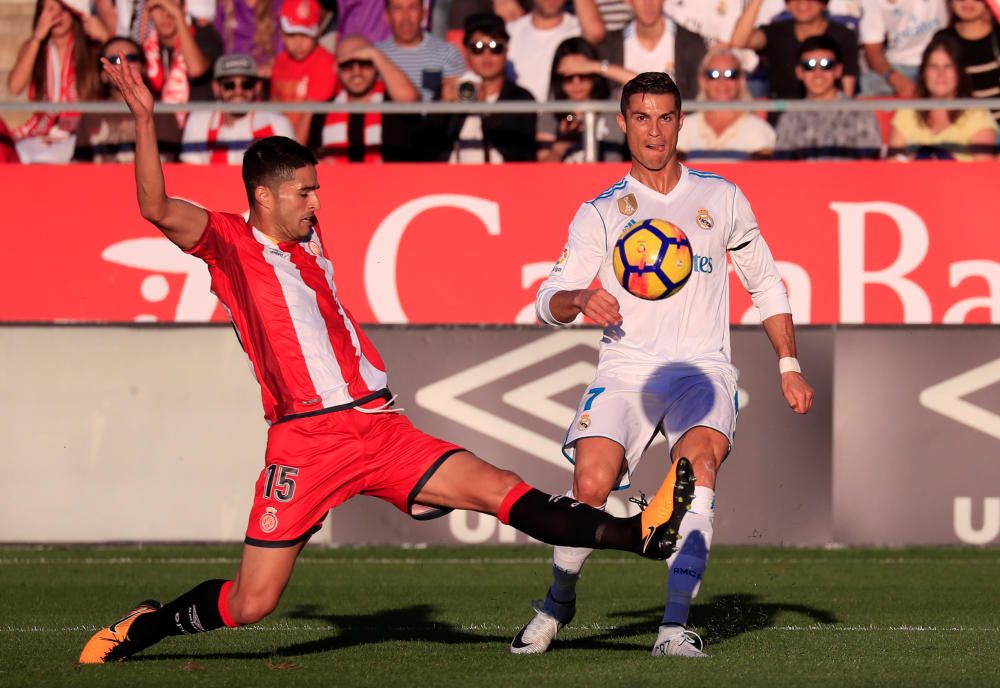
{"points": [[856, 242]]}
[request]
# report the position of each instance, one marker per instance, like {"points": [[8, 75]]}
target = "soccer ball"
{"points": [[652, 260]]}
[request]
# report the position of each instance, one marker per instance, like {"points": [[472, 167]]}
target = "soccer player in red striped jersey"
{"points": [[334, 432]]}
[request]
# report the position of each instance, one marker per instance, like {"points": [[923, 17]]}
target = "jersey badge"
{"points": [[314, 248], [584, 422], [704, 219], [627, 204], [563, 257], [269, 520]]}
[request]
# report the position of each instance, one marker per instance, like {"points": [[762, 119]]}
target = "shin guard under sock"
{"points": [[196, 611], [558, 520]]}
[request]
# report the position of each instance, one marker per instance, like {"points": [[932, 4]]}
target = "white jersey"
{"points": [[693, 324]]}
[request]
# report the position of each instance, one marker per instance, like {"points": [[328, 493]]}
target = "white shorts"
{"points": [[632, 411]]}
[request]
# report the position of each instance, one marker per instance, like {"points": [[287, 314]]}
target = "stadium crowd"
{"points": [[375, 51]]}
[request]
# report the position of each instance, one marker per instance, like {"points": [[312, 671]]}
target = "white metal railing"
{"points": [[590, 108]]}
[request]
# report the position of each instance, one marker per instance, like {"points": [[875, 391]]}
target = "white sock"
{"points": [[566, 565], [687, 565]]}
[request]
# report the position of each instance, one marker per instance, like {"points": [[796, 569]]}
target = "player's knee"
{"points": [[249, 609], [705, 465], [592, 488]]}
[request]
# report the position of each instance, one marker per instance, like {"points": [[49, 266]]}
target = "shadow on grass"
{"points": [[722, 617]]}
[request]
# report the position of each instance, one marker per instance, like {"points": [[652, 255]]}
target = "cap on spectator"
{"points": [[235, 64], [300, 16], [485, 22], [79, 7]]}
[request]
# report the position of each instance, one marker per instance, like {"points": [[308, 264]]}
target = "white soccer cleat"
{"points": [[673, 641], [535, 636]]}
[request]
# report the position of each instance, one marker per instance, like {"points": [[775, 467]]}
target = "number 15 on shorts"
{"points": [[280, 483]]}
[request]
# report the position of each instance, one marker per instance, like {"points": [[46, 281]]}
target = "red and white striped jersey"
{"points": [[306, 350], [207, 140]]}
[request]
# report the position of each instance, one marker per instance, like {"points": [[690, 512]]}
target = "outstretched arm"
{"points": [[797, 391], [181, 222]]}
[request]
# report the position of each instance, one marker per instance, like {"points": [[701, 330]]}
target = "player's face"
{"points": [[722, 79], [969, 10], [296, 202], [940, 75], [818, 70], [805, 10], [404, 17], [651, 126]]}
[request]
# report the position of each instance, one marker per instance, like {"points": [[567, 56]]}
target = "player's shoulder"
{"points": [[608, 196], [710, 183]]}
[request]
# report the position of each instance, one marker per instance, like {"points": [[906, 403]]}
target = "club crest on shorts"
{"points": [[269, 520], [627, 204], [704, 219], [584, 422]]}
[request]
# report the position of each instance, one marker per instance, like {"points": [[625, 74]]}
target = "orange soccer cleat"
{"points": [[661, 518], [111, 643]]}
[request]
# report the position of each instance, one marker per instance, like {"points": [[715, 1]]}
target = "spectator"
{"points": [[780, 43], [846, 12], [940, 133], [222, 137], [179, 55], [363, 18], [126, 15], [972, 25], [561, 137], [250, 27], [497, 137], [893, 36], [304, 70], [8, 154], [724, 135], [110, 137], [825, 134], [57, 64], [646, 44], [616, 14], [367, 76], [432, 65], [535, 37]]}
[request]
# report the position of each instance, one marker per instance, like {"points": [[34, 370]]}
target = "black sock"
{"points": [[558, 520], [196, 611]]}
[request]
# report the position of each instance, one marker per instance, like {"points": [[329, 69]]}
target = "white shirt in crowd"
{"points": [[469, 147], [738, 141], [531, 51], [659, 59], [905, 25]]}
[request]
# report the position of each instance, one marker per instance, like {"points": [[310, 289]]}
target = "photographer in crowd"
{"points": [[491, 138]]}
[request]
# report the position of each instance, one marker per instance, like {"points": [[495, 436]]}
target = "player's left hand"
{"points": [[797, 391]]}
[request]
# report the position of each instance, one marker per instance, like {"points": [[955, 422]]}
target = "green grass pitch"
{"points": [[444, 617]]}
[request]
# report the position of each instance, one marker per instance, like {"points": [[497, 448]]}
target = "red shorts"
{"points": [[316, 463]]}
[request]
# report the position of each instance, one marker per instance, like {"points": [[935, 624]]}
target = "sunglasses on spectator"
{"points": [[480, 47], [245, 84], [132, 58], [348, 65], [823, 63], [716, 74]]}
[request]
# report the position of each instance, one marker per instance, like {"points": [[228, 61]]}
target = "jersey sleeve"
{"points": [[752, 261], [579, 263], [218, 233]]}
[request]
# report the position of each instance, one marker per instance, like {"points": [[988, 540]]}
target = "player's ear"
{"points": [[621, 122], [263, 196]]}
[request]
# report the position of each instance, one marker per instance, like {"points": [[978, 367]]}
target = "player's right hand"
{"points": [[600, 306], [133, 88]]}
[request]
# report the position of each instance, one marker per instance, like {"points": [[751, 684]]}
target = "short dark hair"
{"points": [[487, 23], [273, 159], [821, 42], [656, 83]]}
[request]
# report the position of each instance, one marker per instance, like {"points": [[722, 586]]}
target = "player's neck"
{"points": [[661, 181], [269, 229]]}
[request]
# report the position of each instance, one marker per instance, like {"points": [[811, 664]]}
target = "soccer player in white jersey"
{"points": [[334, 432], [664, 366]]}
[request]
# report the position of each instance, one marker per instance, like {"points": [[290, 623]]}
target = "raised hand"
{"points": [[130, 83], [46, 20]]}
